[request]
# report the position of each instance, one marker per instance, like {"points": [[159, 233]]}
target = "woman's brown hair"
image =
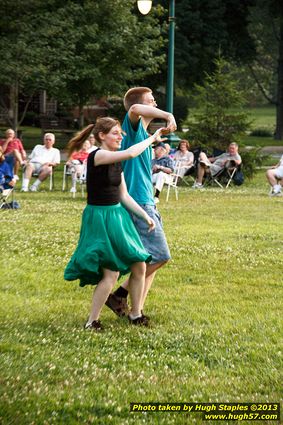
{"points": [[183, 141], [102, 125]]}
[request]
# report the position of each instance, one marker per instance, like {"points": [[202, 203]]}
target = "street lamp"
{"points": [[144, 7]]}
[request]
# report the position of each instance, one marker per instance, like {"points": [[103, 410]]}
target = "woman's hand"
{"points": [[157, 135]]}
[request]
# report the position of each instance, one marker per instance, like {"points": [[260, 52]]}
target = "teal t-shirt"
{"points": [[137, 171]]}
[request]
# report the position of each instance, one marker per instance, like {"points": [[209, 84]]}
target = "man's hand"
{"points": [[171, 124]]}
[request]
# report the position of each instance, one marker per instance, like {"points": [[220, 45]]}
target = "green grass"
{"points": [[263, 116], [216, 310]]}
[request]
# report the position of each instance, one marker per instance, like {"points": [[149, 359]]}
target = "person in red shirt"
{"points": [[77, 163], [13, 146]]}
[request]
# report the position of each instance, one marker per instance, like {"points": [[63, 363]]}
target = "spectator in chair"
{"points": [[91, 140], [215, 164], [7, 179], [12, 146], [184, 155], [77, 162], [162, 167], [275, 178], [41, 160]]}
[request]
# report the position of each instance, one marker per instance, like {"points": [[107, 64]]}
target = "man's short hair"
{"points": [[134, 96], [51, 135]]}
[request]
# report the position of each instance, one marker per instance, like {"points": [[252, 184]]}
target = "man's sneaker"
{"points": [[117, 304], [139, 321], [73, 190], [33, 188], [94, 326], [24, 189], [279, 193], [156, 200], [197, 185]]}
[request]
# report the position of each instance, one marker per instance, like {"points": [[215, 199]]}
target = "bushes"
{"points": [[262, 132]]}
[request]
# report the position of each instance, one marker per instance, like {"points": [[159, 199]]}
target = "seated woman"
{"points": [[76, 163], [183, 155], [7, 180]]}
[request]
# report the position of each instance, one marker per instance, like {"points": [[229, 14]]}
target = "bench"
{"points": [[53, 124]]}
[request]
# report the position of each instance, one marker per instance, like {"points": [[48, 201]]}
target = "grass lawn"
{"points": [[263, 116], [216, 312]]}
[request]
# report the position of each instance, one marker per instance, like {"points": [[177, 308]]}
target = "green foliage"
{"points": [[261, 132], [77, 50], [216, 125], [216, 313], [252, 160], [181, 107], [202, 27]]}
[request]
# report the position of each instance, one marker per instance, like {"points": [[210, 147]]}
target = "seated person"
{"points": [[76, 163], [7, 179], [215, 164], [162, 167], [41, 161], [91, 140], [183, 155], [275, 175], [13, 147]]}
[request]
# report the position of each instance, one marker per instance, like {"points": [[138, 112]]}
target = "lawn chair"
{"points": [[81, 180], [7, 166], [224, 177], [173, 181], [190, 174], [67, 173], [35, 174]]}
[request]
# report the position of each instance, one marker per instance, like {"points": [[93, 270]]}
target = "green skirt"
{"points": [[108, 239]]}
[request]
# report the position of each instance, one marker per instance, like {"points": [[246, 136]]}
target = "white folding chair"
{"points": [[66, 174], [35, 174], [172, 182], [4, 195]]}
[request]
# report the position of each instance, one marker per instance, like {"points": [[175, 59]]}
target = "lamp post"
{"points": [[144, 7]]}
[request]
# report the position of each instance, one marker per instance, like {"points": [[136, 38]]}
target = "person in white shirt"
{"points": [[41, 161], [184, 156], [275, 176]]}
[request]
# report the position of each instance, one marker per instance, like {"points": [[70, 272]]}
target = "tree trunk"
{"points": [[279, 104], [81, 116], [15, 105]]}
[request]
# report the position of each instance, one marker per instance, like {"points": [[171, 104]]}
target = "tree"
{"points": [[73, 49], [111, 54], [216, 125], [267, 68], [36, 47], [202, 29]]}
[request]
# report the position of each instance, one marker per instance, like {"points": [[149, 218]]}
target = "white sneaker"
{"points": [[197, 185], [24, 189], [156, 200], [73, 190], [33, 188], [279, 193]]}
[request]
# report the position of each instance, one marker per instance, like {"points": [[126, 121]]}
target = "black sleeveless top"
{"points": [[102, 182]]}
